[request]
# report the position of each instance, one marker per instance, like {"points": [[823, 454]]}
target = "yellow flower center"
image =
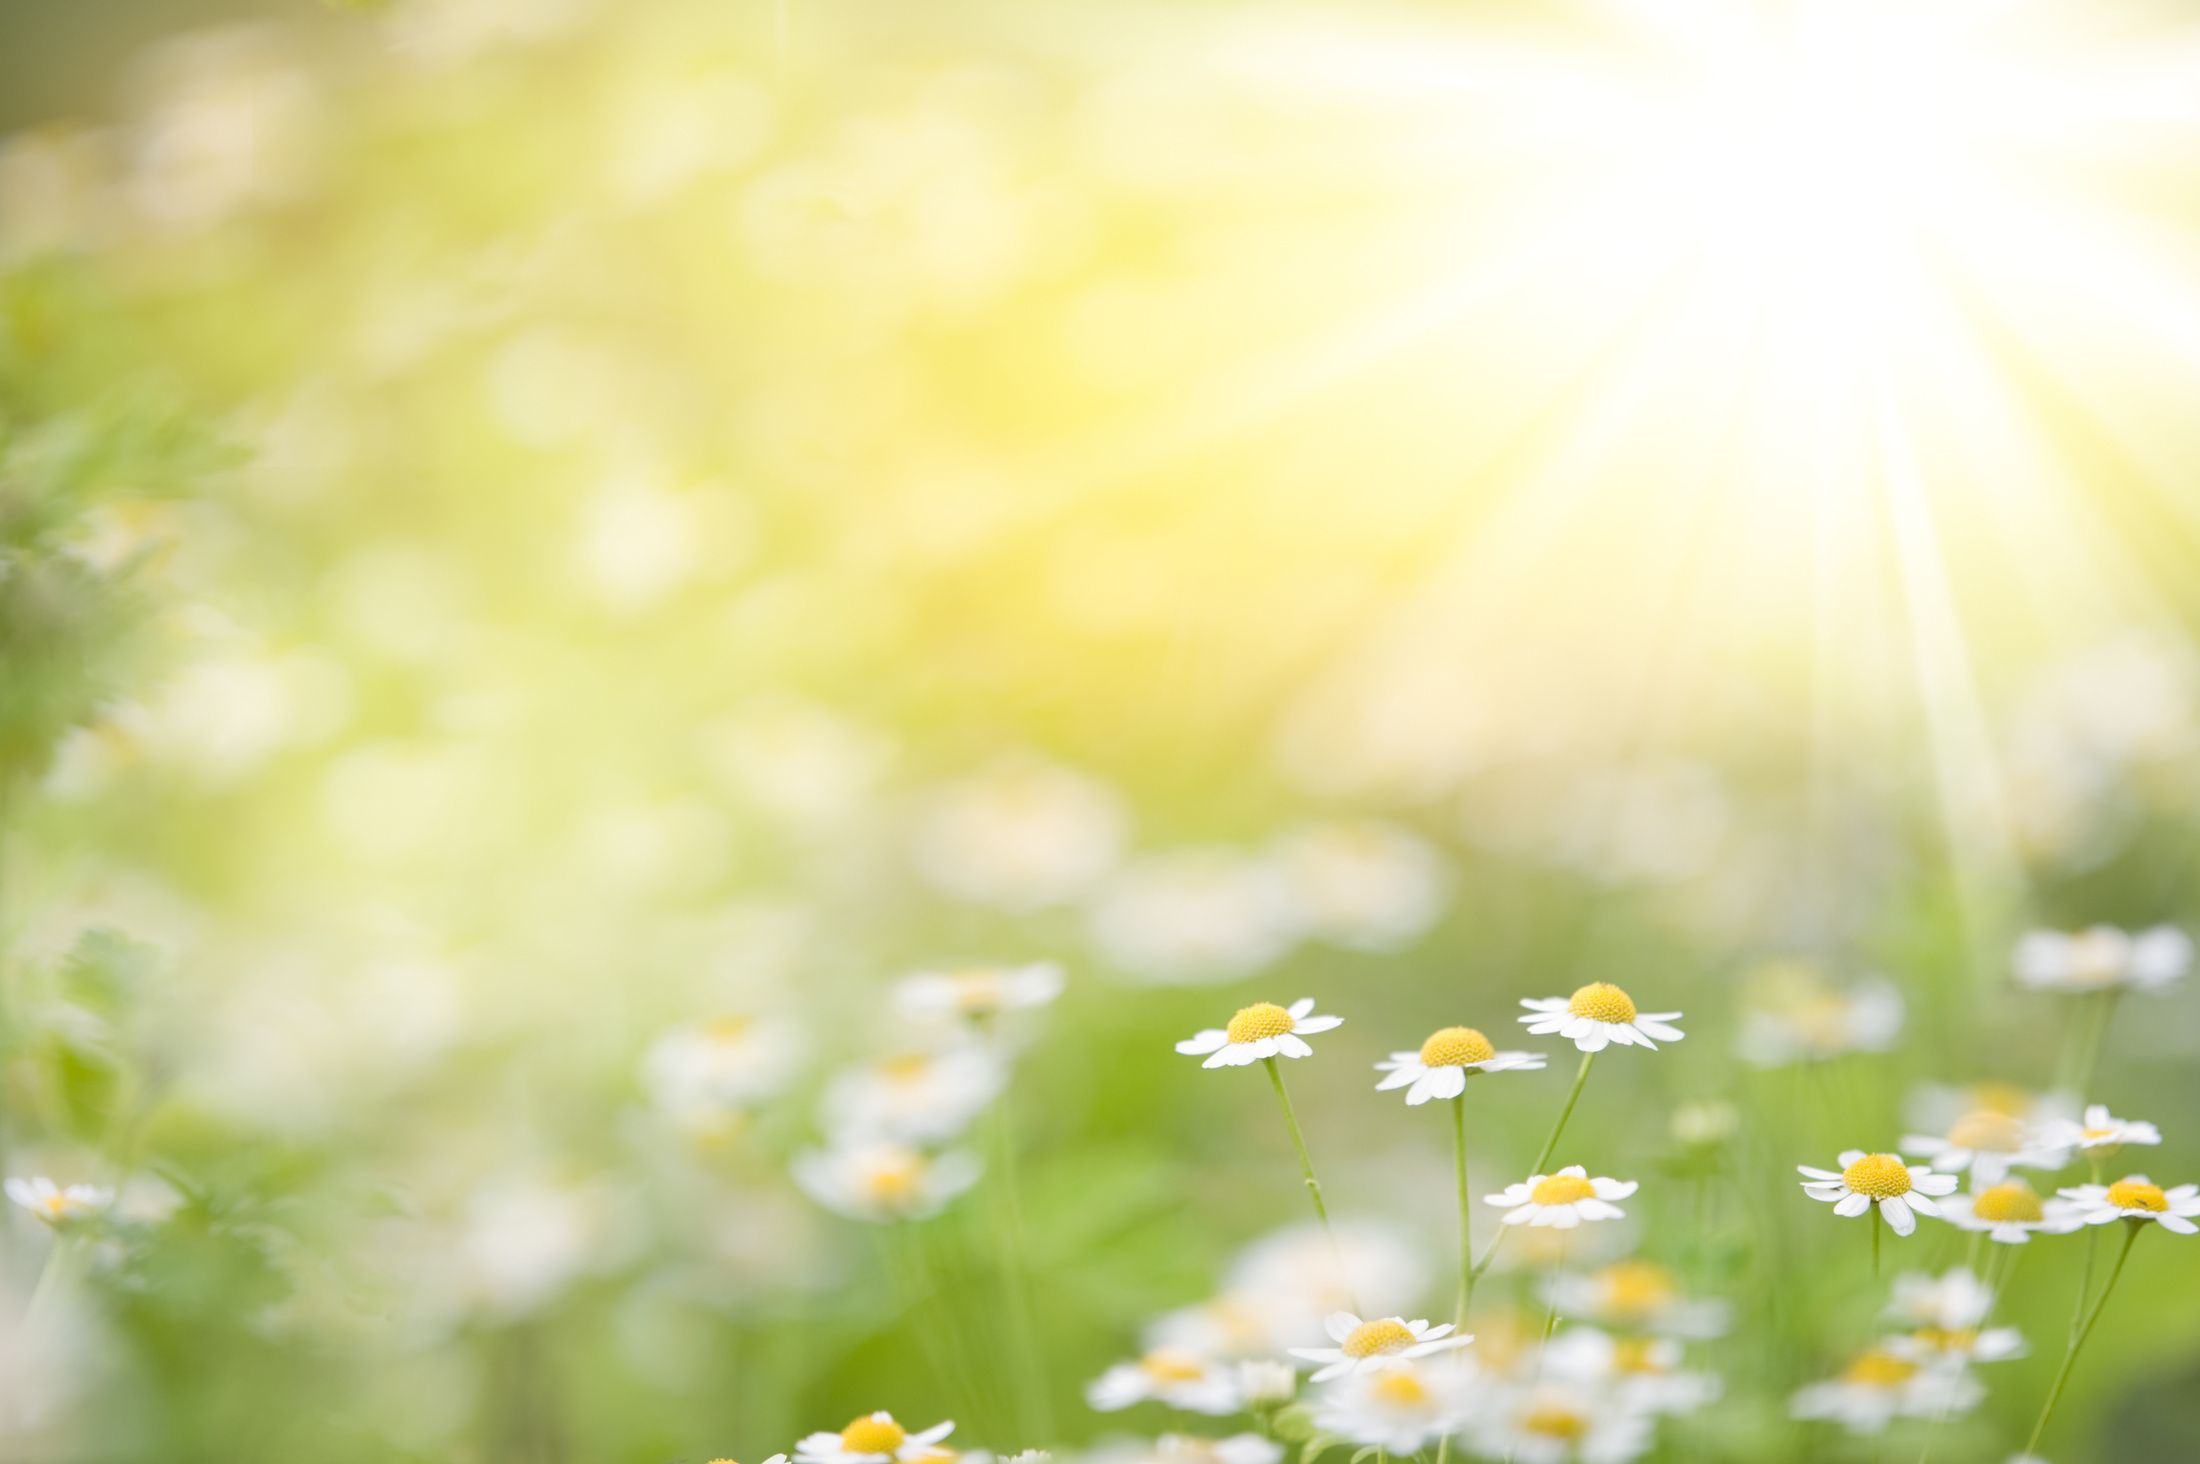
{"points": [[1261, 1019], [728, 1029], [1370, 1338], [2015, 1200], [1879, 1370], [978, 993], [1456, 1047], [873, 1434], [1554, 1421], [1399, 1387], [2001, 1098], [1988, 1131], [1600, 1001], [2137, 1194], [1635, 1355], [907, 1067], [56, 1206], [1172, 1365], [1948, 1339], [1882, 1176], [1561, 1189], [1636, 1288], [893, 1179]]}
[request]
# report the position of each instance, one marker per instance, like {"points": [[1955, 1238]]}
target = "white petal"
{"points": [[1319, 1024], [1853, 1204], [1206, 1041], [1291, 1046], [1300, 1007], [1897, 1215]]}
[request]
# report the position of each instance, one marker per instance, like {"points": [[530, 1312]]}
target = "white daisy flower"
{"points": [[1864, 1179], [873, 1438], [58, 1204], [2135, 1197], [1562, 1200], [1442, 1066], [978, 994], [1636, 1296], [1364, 1346], [1641, 1373], [697, 1072], [1170, 1375], [1284, 1285], [1794, 1014], [1560, 1420], [1945, 1316], [2099, 1133], [1400, 1409], [2010, 1212], [1265, 1383], [880, 1181], [2102, 958], [1194, 917], [1259, 1032], [1598, 1015], [916, 1097], [1879, 1387], [1989, 1143]]}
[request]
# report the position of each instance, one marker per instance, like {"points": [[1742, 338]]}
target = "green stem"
{"points": [[2085, 1275], [1875, 1222], [2096, 1033], [1033, 1409], [1313, 1185], [1466, 1212], [2070, 1354], [1580, 1077]]}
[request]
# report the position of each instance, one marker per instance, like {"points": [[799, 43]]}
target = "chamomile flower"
{"points": [[1365, 1346], [873, 1438], [1259, 1032], [1945, 1317], [1989, 1143], [1401, 1409], [1265, 1383], [1172, 1375], [2135, 1197], [1642, 1373], [1795, 1014], [1560, 1420], [2010, 1213], [1562, 1200], [916, 1097], [58, 1204], [1441, 1067], [1598, 1015], [976, 995], [729, 1062], [1883, 1179], [1288, 1282], [878, 1180], [2099, 1133], [1372, 886], [2102, 958], [1878, 1387], [1637, 1296]]}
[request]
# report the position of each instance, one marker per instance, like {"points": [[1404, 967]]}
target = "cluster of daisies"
{"points": [[1328, 1351], [1966, 1168]]}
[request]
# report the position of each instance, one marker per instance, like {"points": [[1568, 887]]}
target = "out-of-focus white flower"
{"points": [[2010, 1212], [229, 123], [224, 715], [1987, 1130], [1364, 884], [2103, 958], [978, 994], [523, 1239], [1379, 1342], [881, 1181], [1442, 1065], [1259, 1033], [1865, 1179], [697, 1073], [1944, 1316], [1171, 1448], [1879, 1387], [1562, 1200], [2135, 1197], [1559, 1420], [57, 1204], [1791, 1013], [1168, 1375], [874, 1438], [916, 1097], [1635, 1296], [1194, 917], [1401, 1409], [1290, 1280], [1641, 1373], [1228, 1326], [2099, 1134], [806, 764], [1265, 1383], [1020, 834], [1598, 1015], [1705, 1122]]}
